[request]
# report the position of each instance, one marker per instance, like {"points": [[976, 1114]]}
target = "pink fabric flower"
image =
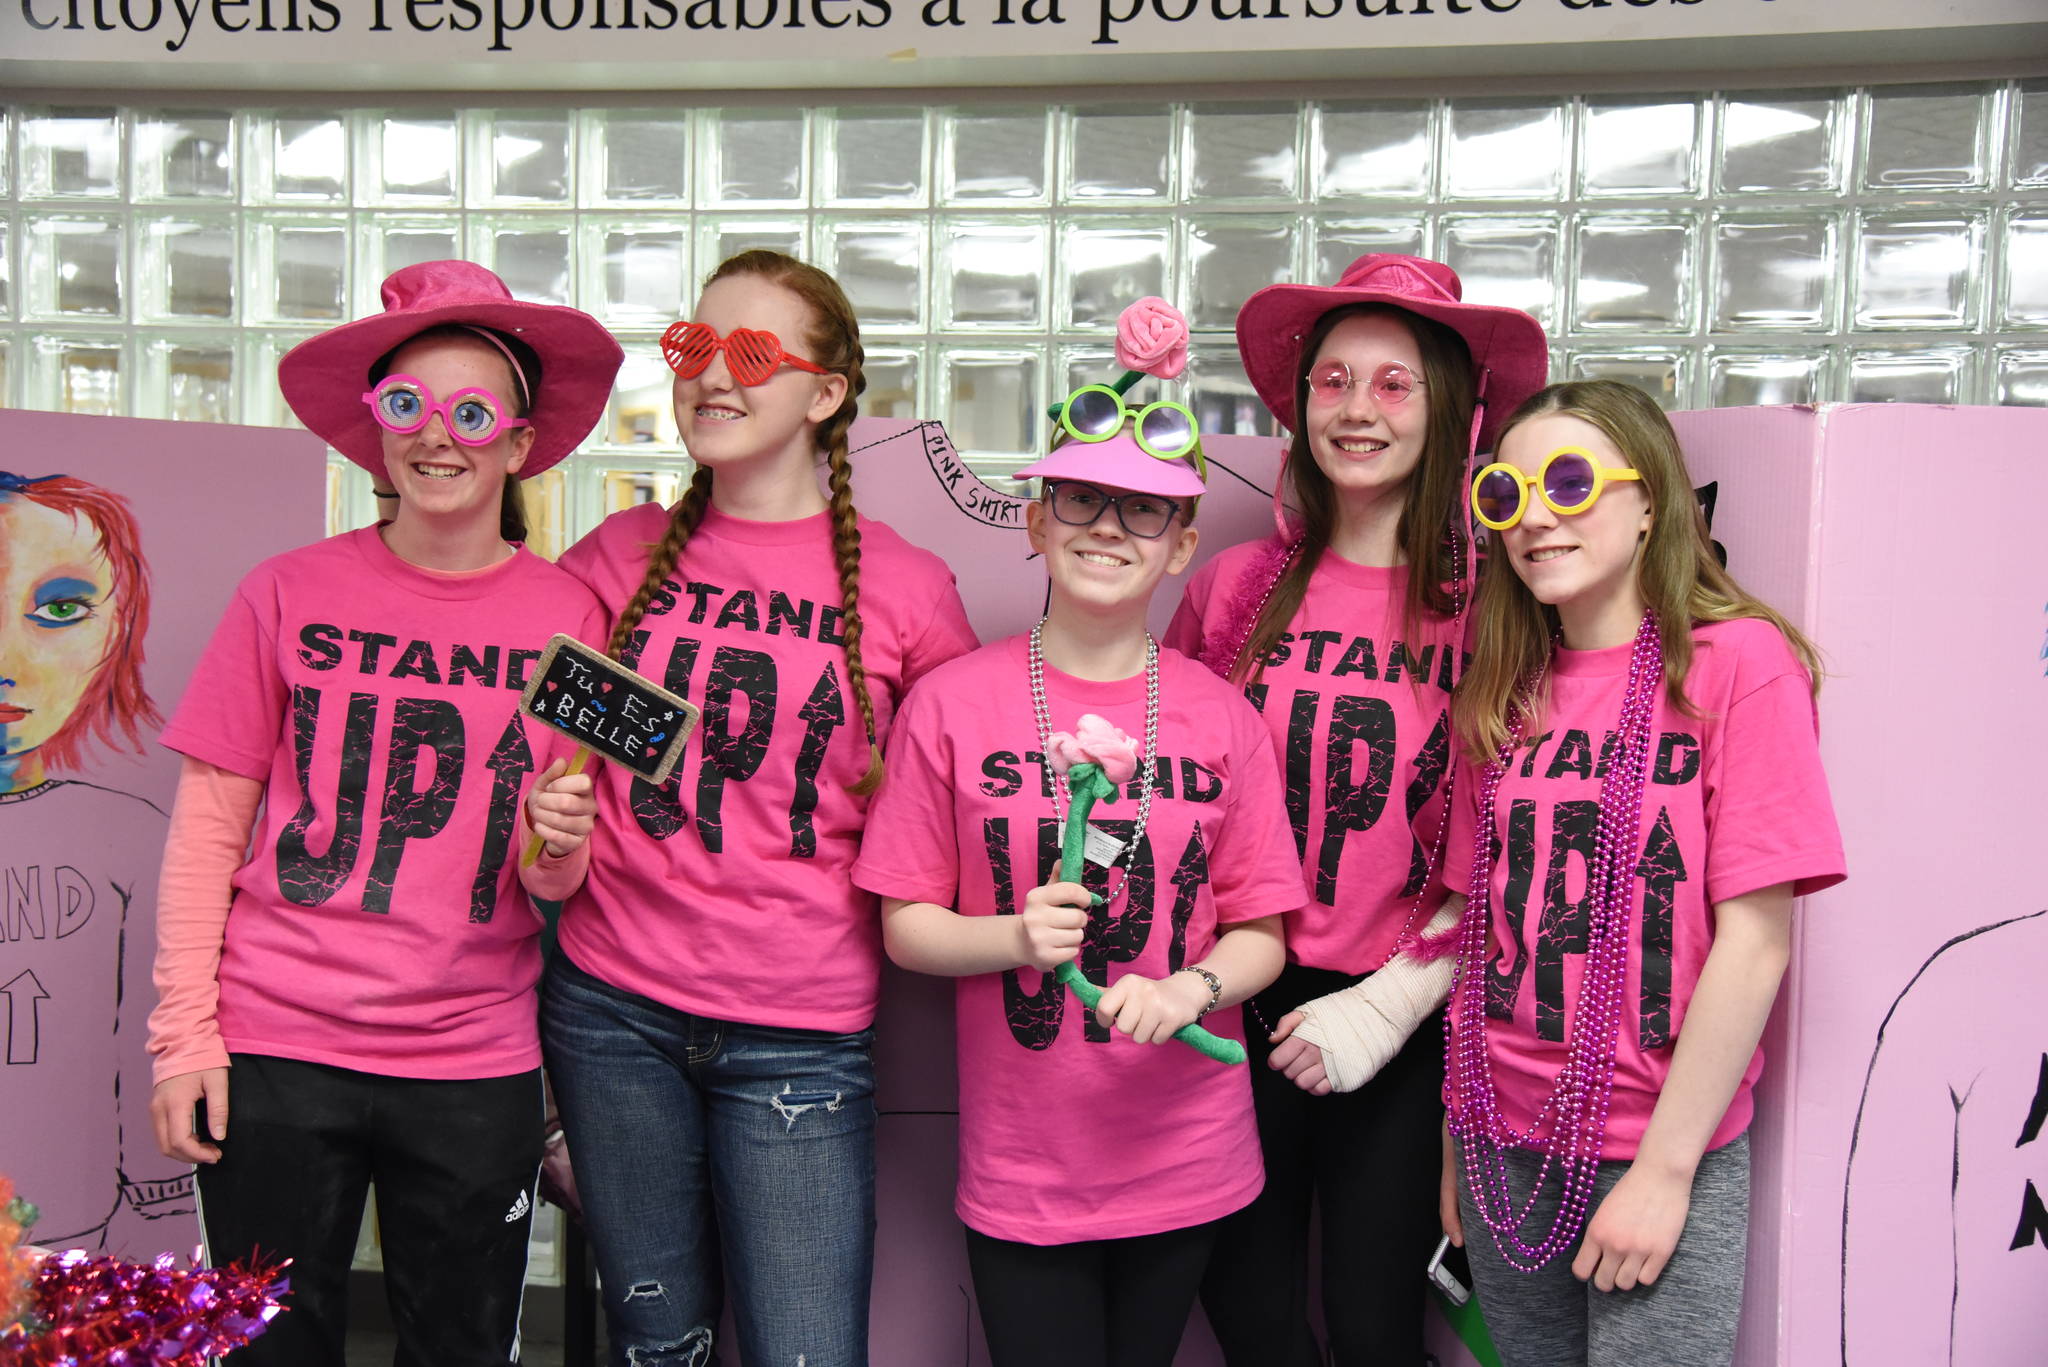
{"points": [[1152, 336], [1094, 741]]}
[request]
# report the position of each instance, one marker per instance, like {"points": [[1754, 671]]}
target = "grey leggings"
{"points": [[1549, 1318]]}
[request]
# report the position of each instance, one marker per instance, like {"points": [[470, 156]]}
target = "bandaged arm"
{"points": [[1362, 1027]]}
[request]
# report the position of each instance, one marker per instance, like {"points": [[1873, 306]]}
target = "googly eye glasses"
{"points": [[1164, 430], [1389, 385], [752, 357], [405, 405], [1569, 481]]}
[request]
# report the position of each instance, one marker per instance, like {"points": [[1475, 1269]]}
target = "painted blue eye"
{"points": [[401, 405], [474, 417], [62, 612]]}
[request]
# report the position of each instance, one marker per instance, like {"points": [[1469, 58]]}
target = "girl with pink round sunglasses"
{"points": [[1344, 629]]}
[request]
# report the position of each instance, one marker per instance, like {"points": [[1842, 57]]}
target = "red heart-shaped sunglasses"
{"points": [[751, 356]]}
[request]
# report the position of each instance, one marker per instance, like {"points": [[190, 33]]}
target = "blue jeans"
{"points": [[707, 1150]]}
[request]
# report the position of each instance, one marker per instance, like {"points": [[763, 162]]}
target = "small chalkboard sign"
{"points": [[608, 709]]}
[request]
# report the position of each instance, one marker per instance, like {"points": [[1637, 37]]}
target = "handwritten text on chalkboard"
{"points": [[606, 707]]}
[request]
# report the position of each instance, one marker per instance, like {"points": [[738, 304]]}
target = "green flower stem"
{"points": [[1087, 784]]}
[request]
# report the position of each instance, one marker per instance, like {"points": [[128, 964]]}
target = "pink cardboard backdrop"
{"points": [[1909, 1033], [78, 860]]}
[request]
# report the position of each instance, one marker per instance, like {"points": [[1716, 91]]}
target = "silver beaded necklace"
{"points": [[1041, 712]]}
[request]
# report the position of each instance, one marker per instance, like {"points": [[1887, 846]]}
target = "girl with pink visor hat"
{"points": [[1344, 628], [1096, 1155], [354, 967]]}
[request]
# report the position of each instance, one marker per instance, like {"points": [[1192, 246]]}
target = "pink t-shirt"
{"points": [[725, 892], [1068, 1130], [1736, 802], [380, 924], [1363, 748]]}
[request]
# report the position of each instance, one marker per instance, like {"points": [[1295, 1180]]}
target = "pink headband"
{"points": [[518, 371]]}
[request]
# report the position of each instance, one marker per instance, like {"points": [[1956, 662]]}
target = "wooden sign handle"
{"points": [[534, 842]]}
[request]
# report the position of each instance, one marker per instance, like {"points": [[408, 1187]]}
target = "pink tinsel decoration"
{"points": [[112, 1312]]}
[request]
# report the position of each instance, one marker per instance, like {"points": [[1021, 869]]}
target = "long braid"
{"points": [[846, 553], [682, 524]]}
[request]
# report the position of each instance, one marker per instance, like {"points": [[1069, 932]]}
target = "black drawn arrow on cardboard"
{"points": [[24, 1015]]}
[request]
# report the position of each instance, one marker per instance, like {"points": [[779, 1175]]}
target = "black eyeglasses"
{"points": [[1080, 505]]}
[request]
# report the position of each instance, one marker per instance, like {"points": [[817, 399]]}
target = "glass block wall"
{"points": [[1721, 247]]}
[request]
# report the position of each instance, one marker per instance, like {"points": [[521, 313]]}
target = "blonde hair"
{"points": [[834, 339], [1678, 574]]}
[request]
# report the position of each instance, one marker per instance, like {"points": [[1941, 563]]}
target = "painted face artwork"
{"points": [[1577, 539], [1368, 411], [736, 396], [448, 456], [57, 591]]}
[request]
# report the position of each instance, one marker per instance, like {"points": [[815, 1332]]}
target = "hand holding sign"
{"points": [[608, 710], [562, 807]]}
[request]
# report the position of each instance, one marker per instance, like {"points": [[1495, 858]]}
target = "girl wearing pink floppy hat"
{"points": [[1344, 627], [360, 958]]}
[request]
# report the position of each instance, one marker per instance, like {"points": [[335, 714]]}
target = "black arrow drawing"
{"points": [[23, 1011]]}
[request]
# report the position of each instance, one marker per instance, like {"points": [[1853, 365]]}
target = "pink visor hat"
{"points": [[1149, 449], [1119, 463], [1510, 354], [323, 378]]}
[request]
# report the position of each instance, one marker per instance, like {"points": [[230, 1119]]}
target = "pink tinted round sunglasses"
{"points": [[1390, 384], [751, 356], [473, 416], [1569, 481]]}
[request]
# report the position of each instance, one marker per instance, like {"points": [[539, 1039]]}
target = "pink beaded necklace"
{"points": [[1577, 1107]]}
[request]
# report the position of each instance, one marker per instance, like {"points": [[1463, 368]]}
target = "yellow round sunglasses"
{"points": [[1569, 481]]}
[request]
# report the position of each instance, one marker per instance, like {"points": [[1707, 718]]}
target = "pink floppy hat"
{"points": [[1510, 354], [323, 377]]}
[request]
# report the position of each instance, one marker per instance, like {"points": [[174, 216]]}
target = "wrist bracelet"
{"points": [[1215, 988]]}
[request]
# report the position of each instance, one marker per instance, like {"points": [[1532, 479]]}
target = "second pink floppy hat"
{"points": [[1510, 354]]}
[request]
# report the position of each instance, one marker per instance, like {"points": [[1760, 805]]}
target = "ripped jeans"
{"points": [[706, 1152]]}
